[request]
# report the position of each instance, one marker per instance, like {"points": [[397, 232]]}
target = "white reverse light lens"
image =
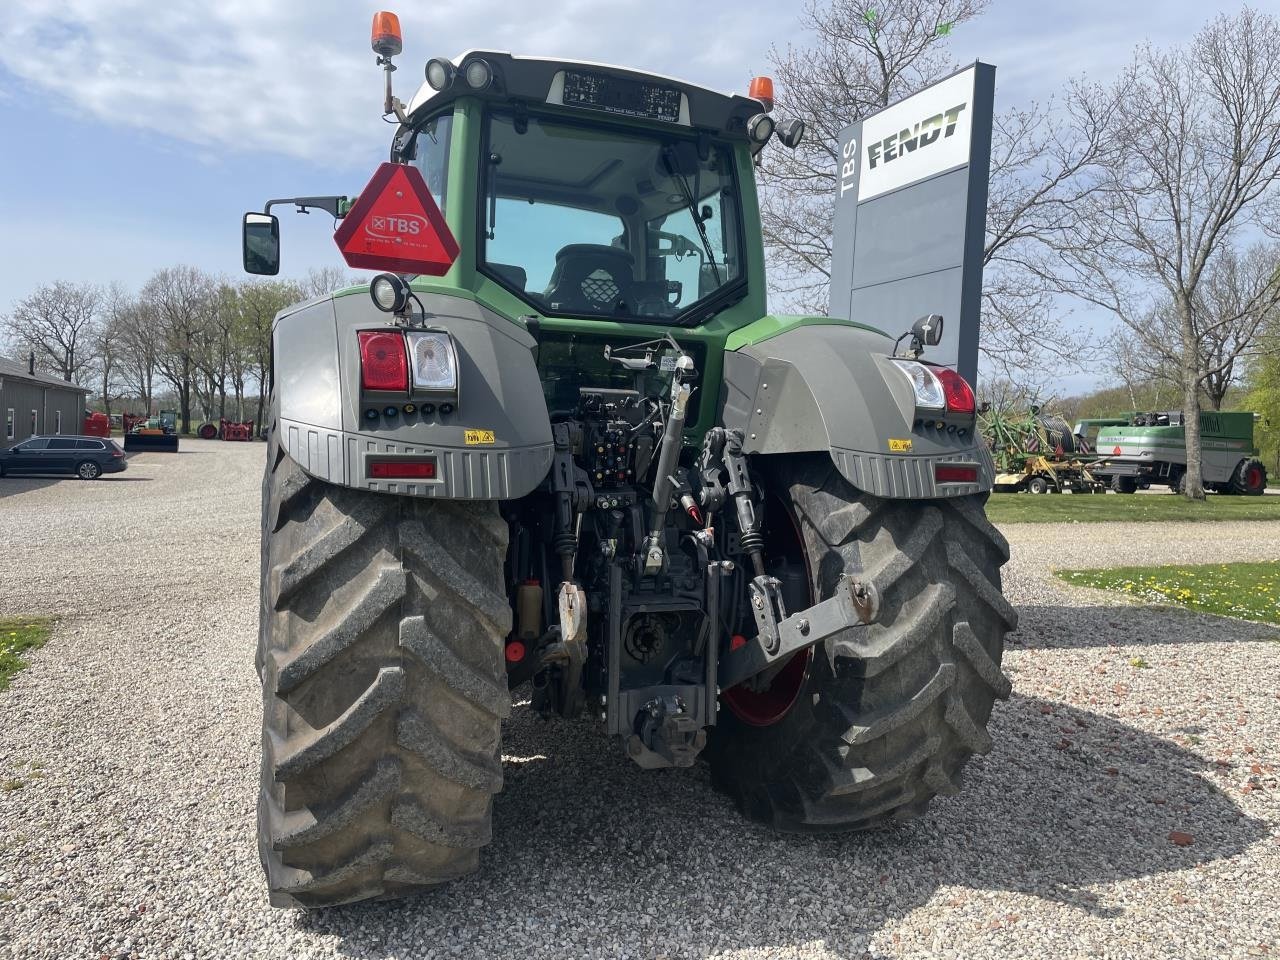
{"points": [[479, 74], [435, 362], [927, 387]]}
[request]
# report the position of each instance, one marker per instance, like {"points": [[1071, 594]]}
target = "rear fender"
{"points": [[829, 387], [321, 415]]}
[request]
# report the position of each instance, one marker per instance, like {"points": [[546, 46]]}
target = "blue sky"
{"points": [[134, 134]]}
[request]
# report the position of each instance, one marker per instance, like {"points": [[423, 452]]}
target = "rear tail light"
{"points": [[927, 387], [402, 469], [951, 473], [384, 365], [117, 452], [938, 388], [956, 389]]}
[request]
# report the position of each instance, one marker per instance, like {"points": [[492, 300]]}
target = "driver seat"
{"points": [[591, 277]]}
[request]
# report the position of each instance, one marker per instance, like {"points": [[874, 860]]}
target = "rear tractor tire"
{"points": [[883, 721], [384, 687]]}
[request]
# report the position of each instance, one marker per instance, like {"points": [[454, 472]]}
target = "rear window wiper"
{"points": [[692, 205]]}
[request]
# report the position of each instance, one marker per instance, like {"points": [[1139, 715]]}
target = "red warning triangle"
{"points": [[396, 226]]}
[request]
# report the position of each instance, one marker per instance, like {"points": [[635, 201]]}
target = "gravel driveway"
{"points": [[129, 755]]}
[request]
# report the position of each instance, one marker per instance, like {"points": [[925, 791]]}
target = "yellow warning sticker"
{"points": [[475, 437], [895, 446]]}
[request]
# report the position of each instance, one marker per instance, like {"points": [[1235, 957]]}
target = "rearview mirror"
{"points": [[260, 244]]}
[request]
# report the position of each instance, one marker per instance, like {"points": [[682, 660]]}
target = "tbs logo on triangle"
{"points": [[402, 225]]}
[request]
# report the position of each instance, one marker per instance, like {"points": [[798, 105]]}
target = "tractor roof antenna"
{"points": [[387, 42]]}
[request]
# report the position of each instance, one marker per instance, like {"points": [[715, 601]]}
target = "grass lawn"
{"points": [[17, 636], [1250, 591], [1098, 507]]}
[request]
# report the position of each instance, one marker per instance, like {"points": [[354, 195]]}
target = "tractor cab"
{"points": [[591, 191], [581, 191]]}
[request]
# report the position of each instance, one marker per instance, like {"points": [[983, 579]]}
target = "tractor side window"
{"points": [[431, 155]]}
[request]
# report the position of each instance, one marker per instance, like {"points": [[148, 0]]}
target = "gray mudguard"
{"points": [[321, 414], [832, 387]]}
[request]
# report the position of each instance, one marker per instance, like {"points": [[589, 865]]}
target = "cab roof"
{"points": [[598, 89]]}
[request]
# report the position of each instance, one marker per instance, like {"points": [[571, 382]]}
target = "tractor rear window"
{"points": [[598, 221]]}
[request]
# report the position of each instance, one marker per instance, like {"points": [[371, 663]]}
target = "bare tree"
{"points": [[108, 344], [1141, 372], [1039, 158], [213, 354], [1238, 297], [1241, 296], [184, 299], [868, 54], [58, 322], [1163, 212], [865, 55], [322, 281], [139, 342]]}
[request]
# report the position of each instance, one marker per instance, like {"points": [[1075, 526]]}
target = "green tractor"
{"points": [[584, 457]]}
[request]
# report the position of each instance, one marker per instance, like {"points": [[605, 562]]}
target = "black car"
{"points": [[85, 457]]}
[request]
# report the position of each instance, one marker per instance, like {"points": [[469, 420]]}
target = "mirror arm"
{"points": [[336, 207]]}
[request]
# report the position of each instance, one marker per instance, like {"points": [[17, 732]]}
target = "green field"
{"points": [[17, 636], [1250, 591], [1096, 508]]}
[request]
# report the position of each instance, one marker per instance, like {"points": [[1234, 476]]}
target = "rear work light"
{"points": [[402, 469], [957, 390], [952, 473], [384, 365]]}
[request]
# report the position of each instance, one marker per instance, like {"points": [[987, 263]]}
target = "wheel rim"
{"points": [[87, 471], [1253, 477], [763, 708]]}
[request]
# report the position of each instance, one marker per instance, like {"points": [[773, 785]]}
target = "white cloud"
{"points": [[297, 78]]}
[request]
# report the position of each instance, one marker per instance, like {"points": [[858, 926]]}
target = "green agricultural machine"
{"points": [[1037, 453], [560, 442], [1139, 450]]}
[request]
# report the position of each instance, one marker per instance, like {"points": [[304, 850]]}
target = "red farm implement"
{"points": [[237, 429]]}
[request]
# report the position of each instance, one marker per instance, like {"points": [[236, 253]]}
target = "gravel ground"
{"points": [[128, 754]]}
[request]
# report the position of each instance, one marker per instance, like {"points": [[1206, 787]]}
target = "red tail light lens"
{"points": [[402, 470], [956, 389], [947, 473], [384, 365]]}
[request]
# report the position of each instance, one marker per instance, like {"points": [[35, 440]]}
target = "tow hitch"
{"points": [[854, 605]]}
